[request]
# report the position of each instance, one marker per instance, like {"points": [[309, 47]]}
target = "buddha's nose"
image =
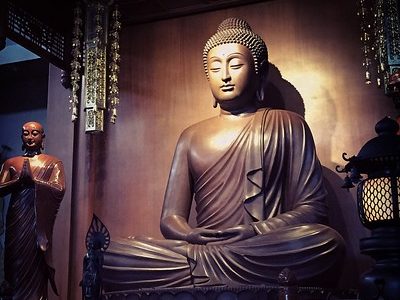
{"points": [[225, 75]]}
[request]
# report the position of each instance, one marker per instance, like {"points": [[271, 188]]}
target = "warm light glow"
{"points": [[377, 199], [223, 140], [310, 82]]}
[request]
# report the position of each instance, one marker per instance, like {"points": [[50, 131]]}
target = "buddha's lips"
{"points": [[228, 87]]}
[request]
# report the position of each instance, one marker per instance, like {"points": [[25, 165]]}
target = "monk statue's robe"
{"points": [[29, 225], [269, 178]]}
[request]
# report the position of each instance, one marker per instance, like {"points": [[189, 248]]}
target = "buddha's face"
{"points": [[232, 75], [32, 135]]}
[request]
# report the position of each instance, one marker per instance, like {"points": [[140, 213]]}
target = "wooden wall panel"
{"points": [[59, 142], [316, 70]]}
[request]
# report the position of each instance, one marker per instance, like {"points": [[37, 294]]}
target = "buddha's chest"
{"points": [[213, 146]]}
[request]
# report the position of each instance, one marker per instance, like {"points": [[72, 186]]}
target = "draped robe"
{"points": [[29, 224], [269, 178]]}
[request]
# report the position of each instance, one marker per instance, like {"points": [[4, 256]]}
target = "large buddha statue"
{"points": [[257, 185]]}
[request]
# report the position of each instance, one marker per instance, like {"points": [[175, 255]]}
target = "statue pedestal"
{"points": [[287, 288], [247, 292]]}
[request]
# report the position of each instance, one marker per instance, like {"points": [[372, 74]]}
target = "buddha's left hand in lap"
{"points": [[234, 234], [176, 227]]}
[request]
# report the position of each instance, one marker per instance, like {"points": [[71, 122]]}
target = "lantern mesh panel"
{"points": [[398, 194], [377, 199]]}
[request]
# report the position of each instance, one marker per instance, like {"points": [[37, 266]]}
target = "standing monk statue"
{"points": [[36, 184], [257, 185]]}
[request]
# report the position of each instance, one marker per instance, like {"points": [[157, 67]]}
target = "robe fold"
{"points": [[269, 178]]}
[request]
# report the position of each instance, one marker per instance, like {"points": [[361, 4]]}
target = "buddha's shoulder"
{"points": [[199, 127], [280, 117], [281, 113]]}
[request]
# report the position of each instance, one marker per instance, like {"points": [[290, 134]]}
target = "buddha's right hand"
{"points": [[203, 236]]}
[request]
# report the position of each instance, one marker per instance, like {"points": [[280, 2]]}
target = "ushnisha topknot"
{"points": [[238, 31]]}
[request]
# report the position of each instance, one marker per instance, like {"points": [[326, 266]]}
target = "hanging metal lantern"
{"points": [[378, 205], [95, 65], [100, 90]]}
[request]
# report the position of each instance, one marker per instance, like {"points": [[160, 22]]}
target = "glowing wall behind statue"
{"points": [[164, 90], [316, 70]]}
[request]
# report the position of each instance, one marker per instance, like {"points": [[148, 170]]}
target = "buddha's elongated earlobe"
{"points": [[260, 94]]}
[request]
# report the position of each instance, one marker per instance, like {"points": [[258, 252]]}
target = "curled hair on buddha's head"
{"points": [[238, 31]]}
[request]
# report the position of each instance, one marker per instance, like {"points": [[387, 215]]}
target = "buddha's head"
{"points": [[32, 137], [235, 60]]}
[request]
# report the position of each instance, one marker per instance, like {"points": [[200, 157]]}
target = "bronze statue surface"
{"points": [[256, 181], [36, 184]]}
